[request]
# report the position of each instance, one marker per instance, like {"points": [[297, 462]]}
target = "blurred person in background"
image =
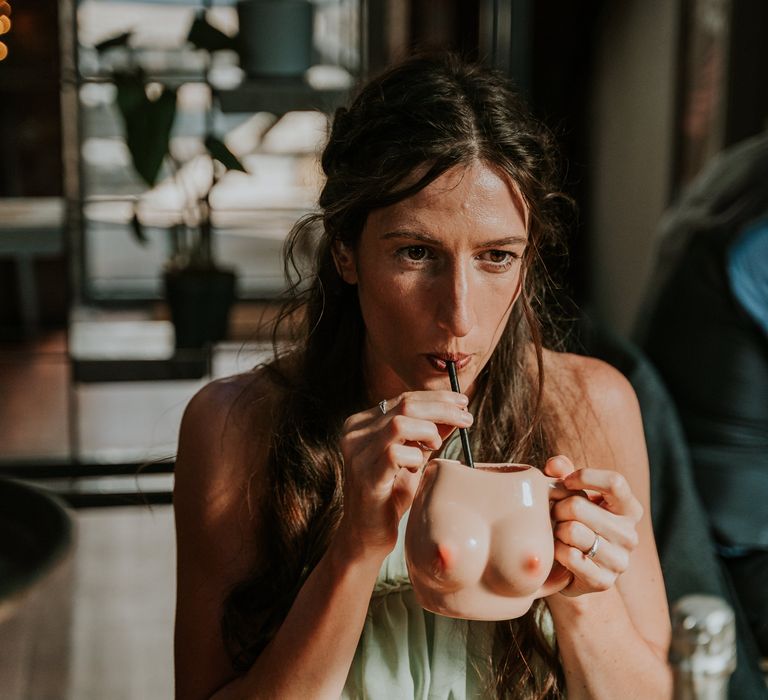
{"points": [[705, 327]]}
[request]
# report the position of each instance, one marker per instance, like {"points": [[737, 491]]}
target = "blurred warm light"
{"points": [[5, 26]]}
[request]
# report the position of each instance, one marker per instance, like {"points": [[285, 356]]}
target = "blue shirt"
{"points": [[748, 271]]}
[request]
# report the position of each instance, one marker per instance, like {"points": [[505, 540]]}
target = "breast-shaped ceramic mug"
{"points": [[479, 542]]}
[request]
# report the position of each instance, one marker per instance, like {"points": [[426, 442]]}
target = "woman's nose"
{"points": [[456, 302]]}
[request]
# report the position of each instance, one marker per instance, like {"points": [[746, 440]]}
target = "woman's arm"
{"points": [[312, 651], [215, 532], [614, 640]]}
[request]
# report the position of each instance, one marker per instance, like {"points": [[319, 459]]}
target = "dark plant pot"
{"points": [[200, 301], [275, 37]]}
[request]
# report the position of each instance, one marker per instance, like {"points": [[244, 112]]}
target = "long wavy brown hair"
{"points": [[425, 115]]}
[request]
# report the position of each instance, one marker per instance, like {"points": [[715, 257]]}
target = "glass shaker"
{"points": [[703, 651]]}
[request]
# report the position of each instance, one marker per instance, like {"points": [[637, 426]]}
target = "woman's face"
{"points": [[437, 275]]}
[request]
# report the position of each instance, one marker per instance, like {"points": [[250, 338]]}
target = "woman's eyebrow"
{"points": [[425, 238], [507, 240], [411, 235]]}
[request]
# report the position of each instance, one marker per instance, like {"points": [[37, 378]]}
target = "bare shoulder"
{"points": [[595, 404], [224, 432], [224, 443], [212, 414], [592, 382]]}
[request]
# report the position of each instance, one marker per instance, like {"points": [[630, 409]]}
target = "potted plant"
{"points": [[275, 38], [199, 291]]}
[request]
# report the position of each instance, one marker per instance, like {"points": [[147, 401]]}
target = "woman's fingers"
{"points": [[582, 539], [588, 575], [617, 496], [383, 448], [400, 441], [412, 420], [415, 402], [620, 530], [559, 466], [438, 406], [416, 421], [383, 466], [398, 429], [606, 486], [596, 532], [398, 456]]}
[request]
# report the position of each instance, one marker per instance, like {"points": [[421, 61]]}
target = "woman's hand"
{"points": [[594, 536], [383, 456]]}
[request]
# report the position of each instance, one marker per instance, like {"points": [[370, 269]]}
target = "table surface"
{"points": [[102, 627]]}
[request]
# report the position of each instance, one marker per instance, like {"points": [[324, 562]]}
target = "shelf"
{"points": [[106, 487], [279, 96], [142, 351], [32, 225], [194, 365]]}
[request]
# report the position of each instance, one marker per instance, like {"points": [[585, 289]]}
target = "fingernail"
{"points": [[462, 399], [466, 418]]}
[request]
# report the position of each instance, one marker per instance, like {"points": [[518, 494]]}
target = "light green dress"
{"points": [[407, 652]]}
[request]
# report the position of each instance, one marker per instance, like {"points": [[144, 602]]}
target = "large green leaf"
{"points": [[205, 36], [148, 123], [220, 152]]}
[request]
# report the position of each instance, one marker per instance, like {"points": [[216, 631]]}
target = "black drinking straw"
{"points": [[463, 432]]}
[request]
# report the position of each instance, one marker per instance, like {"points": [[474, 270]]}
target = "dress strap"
{"points": [[451, 448]]}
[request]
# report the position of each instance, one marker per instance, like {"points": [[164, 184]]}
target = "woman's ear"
{"points": [[344, 258]]}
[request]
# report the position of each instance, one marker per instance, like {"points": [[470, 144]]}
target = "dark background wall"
{"points": [[606, 77], [30, 113], [30, 146]]}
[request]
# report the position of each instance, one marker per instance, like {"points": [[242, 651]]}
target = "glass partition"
{"points": [[106, 394]]}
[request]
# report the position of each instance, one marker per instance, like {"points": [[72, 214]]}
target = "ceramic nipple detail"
{"points": [[519, 563], [453, 546], [479, 542]]}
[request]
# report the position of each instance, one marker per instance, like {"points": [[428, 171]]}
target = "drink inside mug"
{"points": [[479, 542], [503, 468]]}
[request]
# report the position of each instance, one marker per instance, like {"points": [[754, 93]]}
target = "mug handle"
{"points": [[559, 577]]}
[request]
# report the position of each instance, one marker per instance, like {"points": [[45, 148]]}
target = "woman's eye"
{"points": [[500, 257], [415, 252]]}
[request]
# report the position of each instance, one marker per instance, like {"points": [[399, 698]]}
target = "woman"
{"points": [[292, 481]]}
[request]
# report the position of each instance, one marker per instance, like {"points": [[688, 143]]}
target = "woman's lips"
{"points": [[439, 361]]}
